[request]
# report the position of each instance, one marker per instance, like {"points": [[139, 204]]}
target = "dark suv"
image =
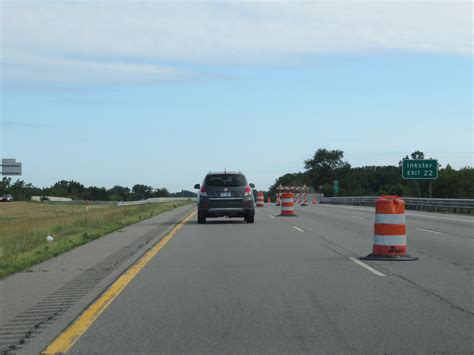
{"points": [[225, 194]]}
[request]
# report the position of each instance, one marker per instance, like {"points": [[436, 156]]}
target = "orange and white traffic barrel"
{"points": [[260, 200], [305, 200], [390, 240], [287, 204], [278, 202]]}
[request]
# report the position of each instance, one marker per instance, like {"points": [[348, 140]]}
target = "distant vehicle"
{"points": [[225, 194], [6, 198]]}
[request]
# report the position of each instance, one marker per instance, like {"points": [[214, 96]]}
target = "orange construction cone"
{"points": [[390, 242], [269, 200], [260, 200], [278, 202], [315, 202]]}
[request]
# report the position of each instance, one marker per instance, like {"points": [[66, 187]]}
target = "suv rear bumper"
{"points": [[230, 207], [230, 212]]}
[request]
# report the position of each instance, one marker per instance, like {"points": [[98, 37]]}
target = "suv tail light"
{"points": [[203, 191], [248, 191]]}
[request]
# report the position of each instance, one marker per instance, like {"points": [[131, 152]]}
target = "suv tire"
{"points": [[201, 218], [250, 219]]}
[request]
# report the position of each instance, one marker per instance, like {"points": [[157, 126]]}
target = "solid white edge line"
{"points": [[358, 217], [298, 229], [440, 217], [429, 230], [365, 266], [271, 216]]}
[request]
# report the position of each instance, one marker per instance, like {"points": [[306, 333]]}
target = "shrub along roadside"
{"points": [[23, 240]]}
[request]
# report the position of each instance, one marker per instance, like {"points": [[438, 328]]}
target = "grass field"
{"points": [[24, 227]]}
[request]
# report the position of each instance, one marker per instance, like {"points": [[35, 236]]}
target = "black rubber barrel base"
{"points": [[405, 257], [287, 215]]}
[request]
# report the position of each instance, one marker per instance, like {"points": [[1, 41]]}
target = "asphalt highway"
{"points": [[296, 285]]}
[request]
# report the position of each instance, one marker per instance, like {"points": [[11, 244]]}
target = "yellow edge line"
{"points": [[71, 334]]}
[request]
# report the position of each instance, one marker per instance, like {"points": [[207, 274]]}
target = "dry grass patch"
{"points": [[24, 227]]}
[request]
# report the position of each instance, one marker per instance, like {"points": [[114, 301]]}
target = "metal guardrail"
{"points": [[75, 202], [410, 202], [153, 200]]}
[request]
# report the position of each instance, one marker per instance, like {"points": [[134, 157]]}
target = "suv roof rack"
{"points": [[224, 172]]}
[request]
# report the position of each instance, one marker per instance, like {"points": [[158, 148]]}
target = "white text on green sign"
{"points": [[420, 169]]}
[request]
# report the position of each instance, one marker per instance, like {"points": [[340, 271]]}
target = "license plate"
{"points": [[226, 194]]}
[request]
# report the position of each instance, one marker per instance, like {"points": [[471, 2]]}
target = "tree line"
{"points": [[325, 166], [77, 191]]}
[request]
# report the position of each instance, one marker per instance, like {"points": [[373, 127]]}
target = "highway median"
{"points": [[26, 226]]}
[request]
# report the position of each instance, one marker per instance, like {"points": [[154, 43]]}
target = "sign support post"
{"points": [[336, 187]]}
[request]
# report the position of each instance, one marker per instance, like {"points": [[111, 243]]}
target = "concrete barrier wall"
{"points": [[154, 200], [118, 204], [51, 198]]}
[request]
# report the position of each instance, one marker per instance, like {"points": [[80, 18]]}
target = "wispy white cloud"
{"points": [[79, 41], [8, 124], [57, 70]]}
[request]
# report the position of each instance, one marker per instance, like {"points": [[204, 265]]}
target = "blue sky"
{"points": [[160, 93]]}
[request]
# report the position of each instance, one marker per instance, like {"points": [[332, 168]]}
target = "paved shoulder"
{"points": [[38, 303]]}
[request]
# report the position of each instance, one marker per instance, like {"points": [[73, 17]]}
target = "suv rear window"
{"points": [[225, 180]]}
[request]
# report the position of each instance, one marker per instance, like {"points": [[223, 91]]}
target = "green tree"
{"points": [[418, 155], [453, 183], [22, 190], [94, 193], [161, 192], [63, 188], [141, 192], [119, 193], [324, 167], [465, 183], [5, 185]]}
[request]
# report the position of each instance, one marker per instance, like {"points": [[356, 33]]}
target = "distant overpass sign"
{"points": [[420, 169], [10, 167]]}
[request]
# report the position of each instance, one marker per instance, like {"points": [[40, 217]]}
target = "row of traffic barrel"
{"points": [[389, 228], [286, 202]]}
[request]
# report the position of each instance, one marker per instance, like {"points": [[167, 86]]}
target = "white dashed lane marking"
{"points": [[429, 231], [367, 267]]}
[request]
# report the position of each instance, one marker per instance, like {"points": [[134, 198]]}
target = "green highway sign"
{"points": [[423, 169], [336, 186], [10, 167]]}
